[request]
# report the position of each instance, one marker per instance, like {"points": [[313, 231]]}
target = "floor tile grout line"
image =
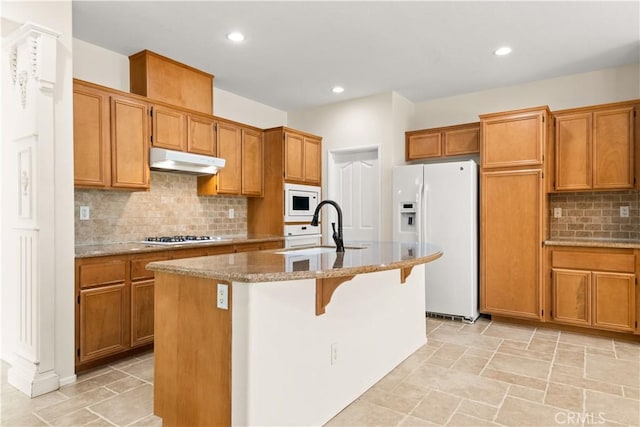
{"points": [[133, 423], [42, 419], [92, 403], [454, 411], [134, 376], [100, 416]]}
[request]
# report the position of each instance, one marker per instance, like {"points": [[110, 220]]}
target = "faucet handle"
{"points": [[333, 226]]}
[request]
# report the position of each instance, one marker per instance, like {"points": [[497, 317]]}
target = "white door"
{"points": [[354, 183]]}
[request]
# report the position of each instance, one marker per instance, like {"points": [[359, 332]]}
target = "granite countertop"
{"points": [[282, 264], [594, 242], [124, 248]]}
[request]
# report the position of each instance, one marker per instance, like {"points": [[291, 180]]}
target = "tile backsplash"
{"points": [[171, 207], [595, 214]]}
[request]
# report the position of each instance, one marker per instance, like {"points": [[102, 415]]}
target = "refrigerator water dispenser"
{"points": [[408, 217]]}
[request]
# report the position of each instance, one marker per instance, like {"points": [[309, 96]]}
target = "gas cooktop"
{"points": [[182, 240]]}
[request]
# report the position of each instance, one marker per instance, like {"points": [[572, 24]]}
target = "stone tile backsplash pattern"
{"points": [[171, 207], [595, 214]]}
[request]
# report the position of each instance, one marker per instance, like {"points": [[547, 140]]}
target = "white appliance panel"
{"points": [[408, 182], [450, 217], [438, 203]]}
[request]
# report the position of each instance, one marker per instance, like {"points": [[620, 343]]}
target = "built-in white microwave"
{"points": [[300, 201]]}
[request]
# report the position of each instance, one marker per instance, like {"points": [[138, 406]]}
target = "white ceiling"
{"points": [[295, 52]]}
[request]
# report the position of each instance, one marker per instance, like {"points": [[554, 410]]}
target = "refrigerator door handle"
{"points": [[424, 217], [419, 213]]}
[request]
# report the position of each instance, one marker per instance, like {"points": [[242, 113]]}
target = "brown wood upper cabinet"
{"points": [[110, 141], [442, 142], [302, 158], [163, 79], [243, 150], [594, 148], [179, 130], [514, 139]]}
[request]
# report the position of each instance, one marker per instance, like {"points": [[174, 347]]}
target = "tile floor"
{"points": [[485, 374]]}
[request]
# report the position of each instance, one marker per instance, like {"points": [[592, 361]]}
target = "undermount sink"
{"points": [[314, 250]]}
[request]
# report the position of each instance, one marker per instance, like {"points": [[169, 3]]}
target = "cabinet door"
{"points": [[229, 148], [614, 301], [169, 128], [462, 141], [201, 135], [573, 151], [293, 157], [312, 161], [613, 148], [423, 146], [513, 140], [571, 297], [142, 312], [103, 321], [129, 143], [252, 162], [511, 210], [91, 154]]}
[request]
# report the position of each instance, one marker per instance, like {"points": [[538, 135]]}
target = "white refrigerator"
{"points": [[438, 203]]}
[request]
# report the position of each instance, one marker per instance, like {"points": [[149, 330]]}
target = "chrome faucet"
{"points": [[337, 236]]}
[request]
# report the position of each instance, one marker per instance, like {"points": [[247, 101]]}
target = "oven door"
{"points": [[299, 241]]}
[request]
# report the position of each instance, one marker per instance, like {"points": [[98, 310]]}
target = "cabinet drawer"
{"points": [[139, 266], [595, 261], [102, 273]]}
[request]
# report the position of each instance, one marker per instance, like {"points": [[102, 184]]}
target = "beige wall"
{"points": [[577, 90], [362, 122], [100, 66]]}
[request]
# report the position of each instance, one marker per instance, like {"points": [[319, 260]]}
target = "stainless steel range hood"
{"points": [[165, 160]]}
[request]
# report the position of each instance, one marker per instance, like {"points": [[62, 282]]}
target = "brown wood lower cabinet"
{"points": [[142, 312], [594, 288], [103, 322], [511, 209], [115, 300]]}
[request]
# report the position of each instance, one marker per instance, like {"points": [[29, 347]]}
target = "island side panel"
{"points": [[283, 372], [192, 366]]}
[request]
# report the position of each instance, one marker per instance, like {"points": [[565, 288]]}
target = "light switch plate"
{"points": [[557, 212]]}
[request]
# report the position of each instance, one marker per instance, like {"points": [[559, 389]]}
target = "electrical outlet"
{"points": [[232, 213], [557, 212], [334, 353], [84, 213], [222, 300], [624, 211]]}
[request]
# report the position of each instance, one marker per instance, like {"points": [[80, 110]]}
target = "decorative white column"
{"points": [[29, 256]]}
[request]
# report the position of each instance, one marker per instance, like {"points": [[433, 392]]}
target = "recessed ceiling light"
{"points": [[235, 36], [501, 51], [337, 89]]}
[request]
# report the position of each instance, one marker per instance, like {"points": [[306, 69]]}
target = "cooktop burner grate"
{"points": [[168, 240]]}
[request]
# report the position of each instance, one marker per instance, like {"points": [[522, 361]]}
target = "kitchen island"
{"points": [[283, 337]]}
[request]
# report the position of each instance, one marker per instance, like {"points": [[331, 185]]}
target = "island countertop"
{"points": [[295, 264]]}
